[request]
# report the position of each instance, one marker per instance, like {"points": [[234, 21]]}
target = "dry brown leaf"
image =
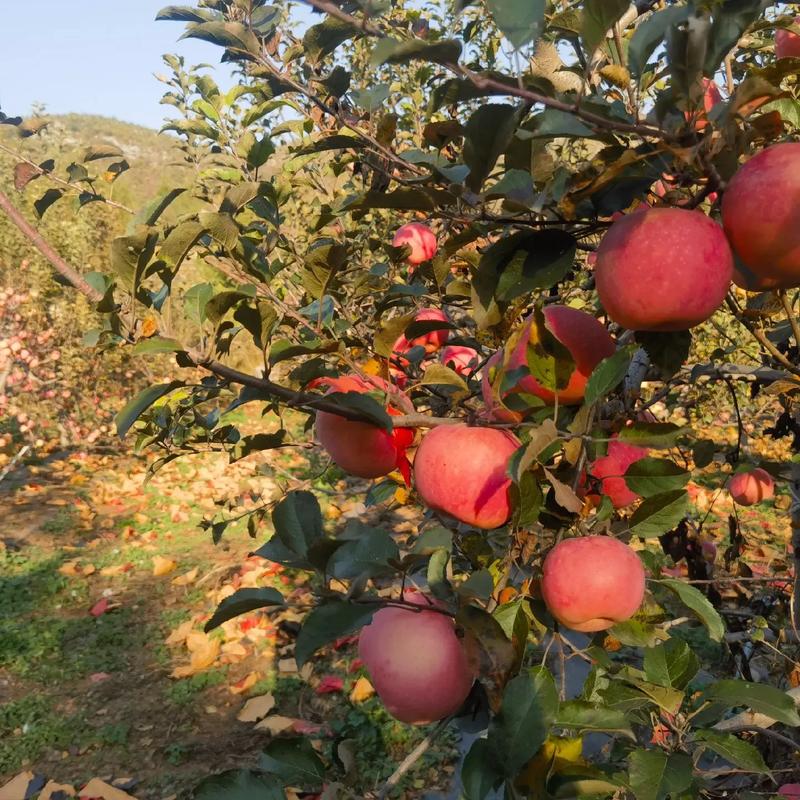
{"points": [[100, 789], [163, 566], [17, 788], [275, 724], [362, 690], [256, 708], [187, 577], [204, 652], [245, 684], [287, 665]]}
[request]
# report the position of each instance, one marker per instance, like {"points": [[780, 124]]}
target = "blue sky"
{"points": [[92, 56]]}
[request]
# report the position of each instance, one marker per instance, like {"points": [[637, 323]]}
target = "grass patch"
{"points": [[186, 690]]}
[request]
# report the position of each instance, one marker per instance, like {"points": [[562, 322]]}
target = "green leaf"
{"points": [[478, 776], [598, 18], [139, 404], [582, 716], [650, 476], [97, 151], [294, 761], [731, 19], [759, 697], [487, 135], [516, 188], [297, 520], [373, 411], [322, 39], [183, 14], [394, 51], [667, 351], [157, 344], [328, 622], [658, 435], [521, 21], [259, 153], [239, 784], [530, 705], [368, 554], [237, 197], [636, 632], [232, 35], [608, 374], [256, 443], [556, 123], [433, 539], [242, 601], [222, 227], [46, 200], [649, 35], [179, 241], [659, 513], [654, 775], [672, 664], [695, 600], [739, 753], [440, 375], [527, 260], [195, 301]]}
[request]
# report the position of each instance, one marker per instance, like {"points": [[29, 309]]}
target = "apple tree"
{"points": [[490, 257]]}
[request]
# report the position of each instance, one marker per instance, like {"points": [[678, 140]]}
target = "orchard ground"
{"points": [[106, 584]]}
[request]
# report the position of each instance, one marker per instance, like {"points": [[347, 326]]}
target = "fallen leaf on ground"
{"points": [[97, 677], [245, 683], [163, 566], [187, 578], [275, 724], [17, 788], [178, 636], [99, 608], [330, 684], [256, 708], [362, 690], [287, 665], [119, 569], [100, 789], [204, 652]]}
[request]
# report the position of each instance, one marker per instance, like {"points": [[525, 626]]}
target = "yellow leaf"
{"points": [[163, 566], [186, 578], [362, 690], [617, 75], [245, 684], [256, 708], [149, 328], [178, 636]]}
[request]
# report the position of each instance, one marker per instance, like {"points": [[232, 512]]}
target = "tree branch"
{"points": [[47, 250]]}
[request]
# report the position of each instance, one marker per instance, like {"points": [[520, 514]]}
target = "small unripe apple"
{"points": [[748, 488], [419, 238], [416, 662], [591, 583], [663, 269], [759, 213], [787, 42], [461, 471]]}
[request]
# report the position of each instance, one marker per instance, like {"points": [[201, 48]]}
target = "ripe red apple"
{"points": [[461, 471], [790, 791], [748, 488], [787, 42], [430, 341], [611, 468], [360, 448], [416, 662], [663, 269], [590, 583], [587, 341], [759, 213], [420, 238], [461, 359]]}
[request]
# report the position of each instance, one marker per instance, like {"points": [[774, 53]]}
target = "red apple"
{"points": [[420, 238], [416, 662], [611, 468], [587, 341], [430, 341], [461, 359], [787, 42], [663, 269], [759, 213], [748, 488], [360, 448], [790, 791], [590, 583], [461, 471]]}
